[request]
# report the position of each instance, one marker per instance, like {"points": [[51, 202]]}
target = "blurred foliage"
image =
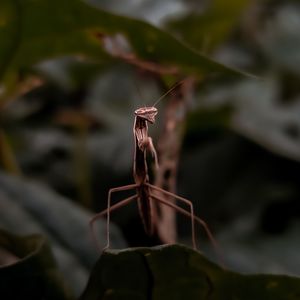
{"points": [[28, 207], [208, 29], [27, 44], [6, 155], [69, 76], [28, 269]]}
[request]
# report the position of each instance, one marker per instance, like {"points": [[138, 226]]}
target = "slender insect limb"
{"points": [[182, 211], [198, 220], [108, 210], [113, 190], [153, 151], [103, 213], [188, 214], [186, 201]]}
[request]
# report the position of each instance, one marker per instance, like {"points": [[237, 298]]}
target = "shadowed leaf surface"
{"points": [[33, 31], [178, 272], [28, 270], [29, 207]]}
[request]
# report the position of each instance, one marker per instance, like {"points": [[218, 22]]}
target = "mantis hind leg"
{"points": [[176, 207], [188, 214], [110, 209]]}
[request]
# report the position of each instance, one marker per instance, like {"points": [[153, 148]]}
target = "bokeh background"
{"points": [[67, 138]]}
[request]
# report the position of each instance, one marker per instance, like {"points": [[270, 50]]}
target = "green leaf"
{"points": [[178, 272], [208, 118], [35, 30], [28, 270], [206, 31]]}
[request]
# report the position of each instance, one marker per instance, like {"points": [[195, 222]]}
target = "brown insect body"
{"points": [[146, 192], [140, 169]]}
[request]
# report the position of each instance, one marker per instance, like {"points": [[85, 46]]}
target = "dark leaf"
{"points": [[28, 270], [33, 31], [177, 272]]}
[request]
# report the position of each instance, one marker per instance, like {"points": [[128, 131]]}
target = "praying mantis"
{"points": [[147, 193]]}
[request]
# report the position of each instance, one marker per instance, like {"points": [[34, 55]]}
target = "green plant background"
{"points": [[66, 113]]}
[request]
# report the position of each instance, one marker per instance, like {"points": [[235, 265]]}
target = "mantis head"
{"points": [[147, 113]]}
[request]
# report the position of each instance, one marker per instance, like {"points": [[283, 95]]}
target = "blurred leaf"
{"points": [[215, 118], [36, 30], [32, 274], [7, 157], [259, 115], [47, 207], [29, 207], [177, 272], [205, 31], [279, 38], [19, 221]]}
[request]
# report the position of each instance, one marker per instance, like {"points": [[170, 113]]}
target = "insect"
{"points": [[147, 193]]}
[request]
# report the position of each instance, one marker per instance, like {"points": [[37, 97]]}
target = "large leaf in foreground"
{"points": [[34, 30], [177, 272], [28, 270]]}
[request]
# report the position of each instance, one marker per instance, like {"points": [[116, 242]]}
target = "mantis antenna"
{"points": [[168, 92]]}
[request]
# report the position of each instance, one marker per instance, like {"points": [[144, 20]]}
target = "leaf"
{"points": [[209, 118], [28, 207], [28, 270], [178, 272], [206, 31], [35, 30], [48, 208], [7, 157]]}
